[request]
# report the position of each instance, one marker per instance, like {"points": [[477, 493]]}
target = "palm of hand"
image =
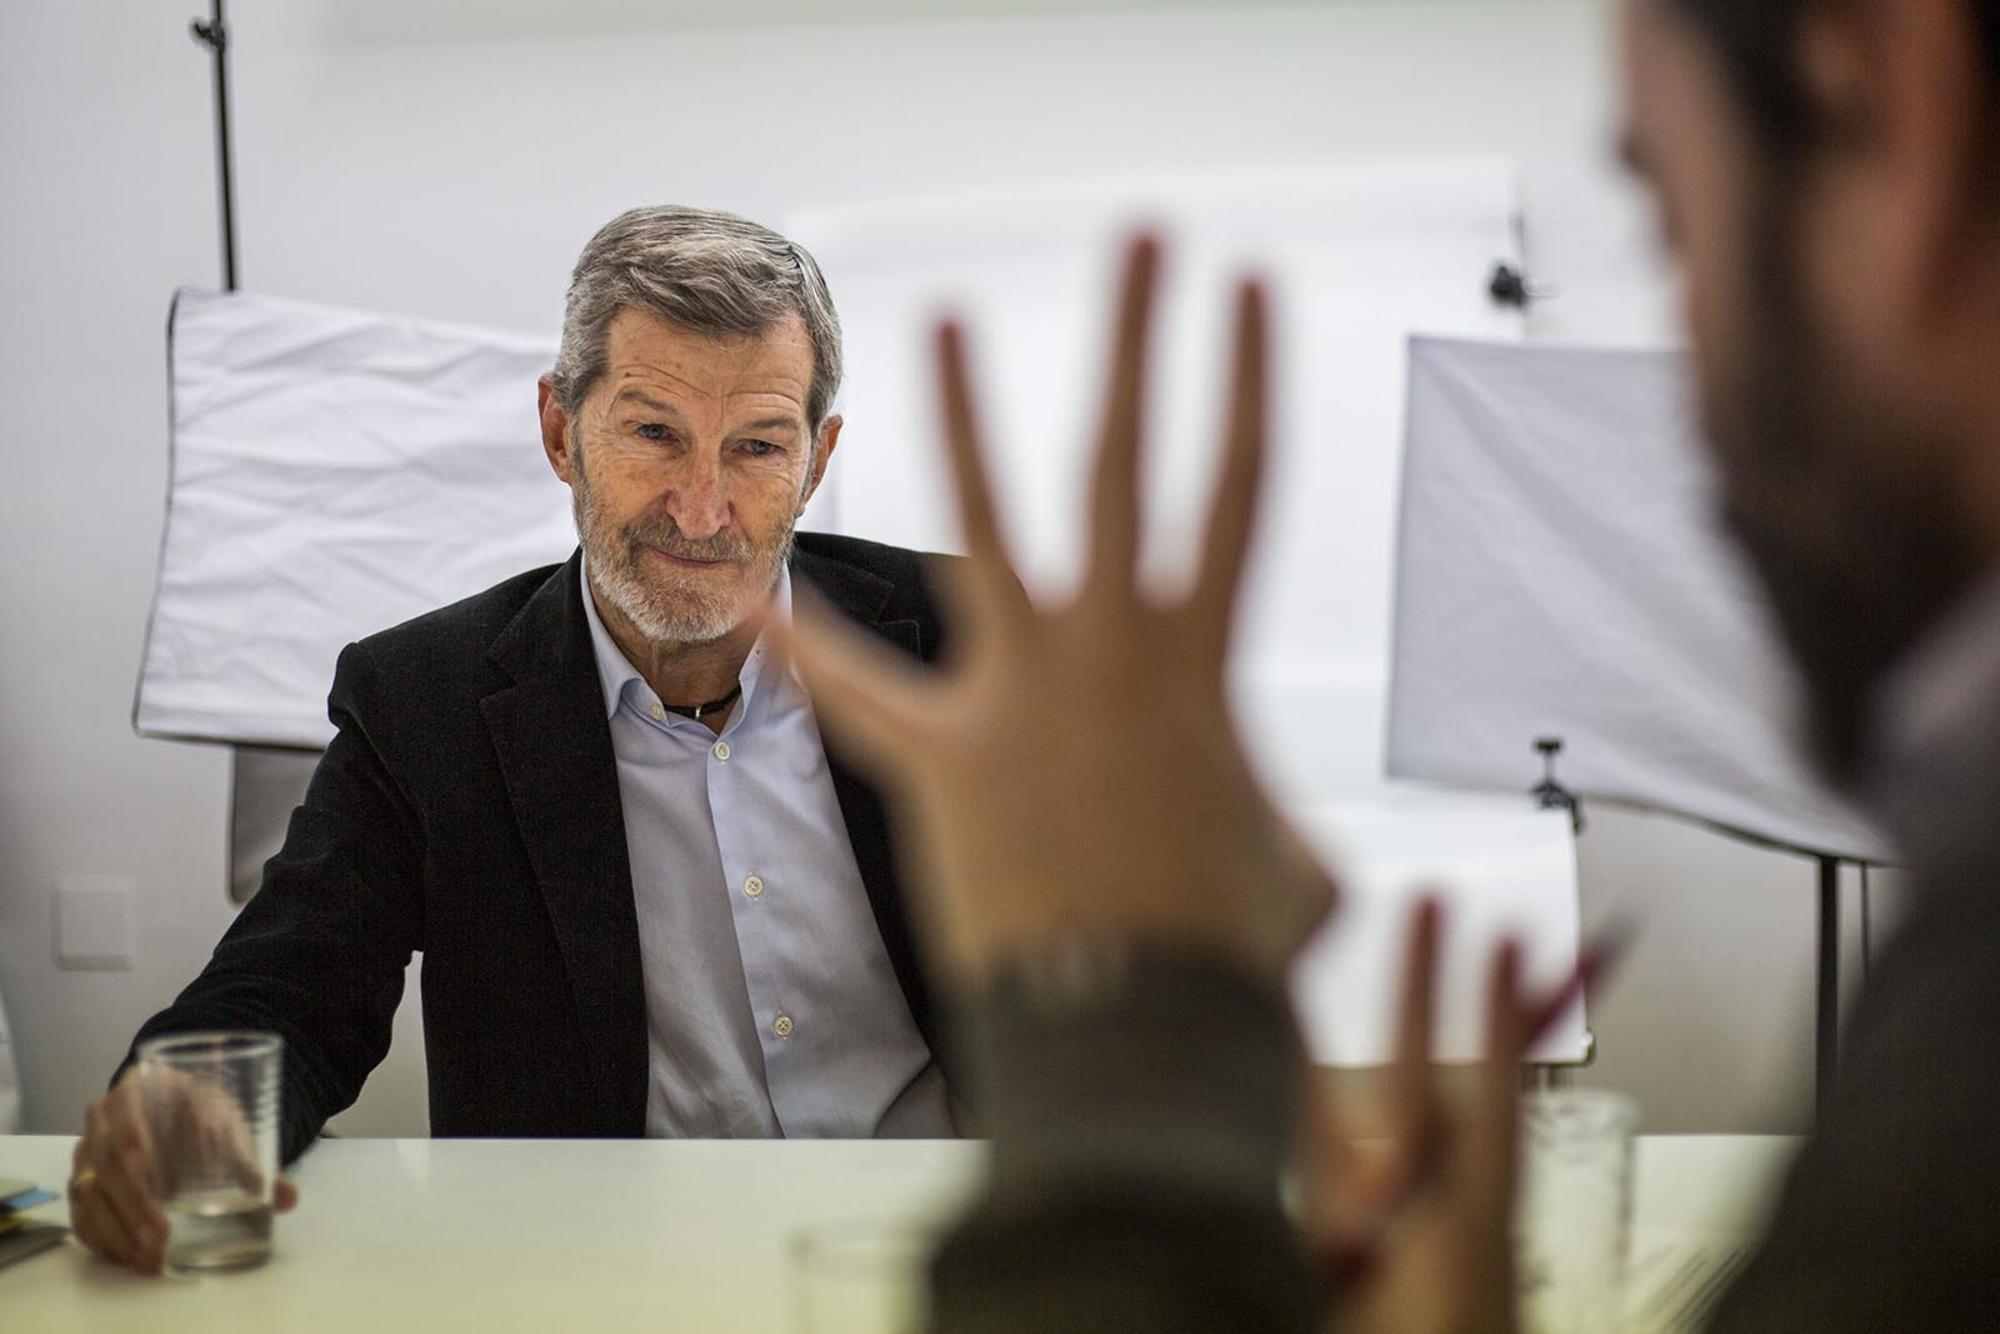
{"points": [[1083, 784]]}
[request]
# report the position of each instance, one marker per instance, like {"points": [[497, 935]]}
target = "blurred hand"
{"points": [[1420, 1237], [113, 1178], [1073, 773]]}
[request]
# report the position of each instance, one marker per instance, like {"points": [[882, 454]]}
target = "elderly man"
{"points": [[1829, 171], [648, 901]]}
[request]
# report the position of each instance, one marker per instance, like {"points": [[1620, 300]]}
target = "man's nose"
{"points": [[696, 501]]}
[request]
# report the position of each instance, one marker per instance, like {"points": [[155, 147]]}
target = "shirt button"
{"points": [[721, 750], [754, 886], [782, 1026], [659, 711]]}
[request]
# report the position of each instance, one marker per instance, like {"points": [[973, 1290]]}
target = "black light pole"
{"points": [[212, 33], [1826, 1045]]}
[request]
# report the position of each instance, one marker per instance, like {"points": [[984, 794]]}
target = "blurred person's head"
{"points": [[1828, 172], [690, 412]]}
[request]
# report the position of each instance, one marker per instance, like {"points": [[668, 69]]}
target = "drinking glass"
{"points": [[862, 1277], [1576, 1210], [211, 1105]]}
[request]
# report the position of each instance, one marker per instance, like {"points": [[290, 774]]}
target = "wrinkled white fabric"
{"points": [[334, 472], [1563, 573]]}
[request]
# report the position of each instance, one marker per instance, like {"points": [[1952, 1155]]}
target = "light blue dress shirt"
{"points": [[771, 1006]]}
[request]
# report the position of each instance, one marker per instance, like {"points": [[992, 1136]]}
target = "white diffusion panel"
{"points": [[334, 472], [1564, 574], [1358, 258]]}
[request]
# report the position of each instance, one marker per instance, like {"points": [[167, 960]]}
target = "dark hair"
{"points": [[1756, 39]]}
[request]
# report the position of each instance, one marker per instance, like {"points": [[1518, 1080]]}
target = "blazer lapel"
{"points": [[554, 746], [861, 596]]}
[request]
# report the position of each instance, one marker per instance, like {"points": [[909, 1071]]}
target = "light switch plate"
{"points": [[95, 929]]}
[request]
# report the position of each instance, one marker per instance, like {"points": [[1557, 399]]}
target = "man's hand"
{"points": [[113, 1201], [1420, 1238], [1073, 774]]}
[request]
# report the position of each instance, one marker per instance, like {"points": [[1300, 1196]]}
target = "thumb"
{"points": [[1333, 1175], [285, 1195]]}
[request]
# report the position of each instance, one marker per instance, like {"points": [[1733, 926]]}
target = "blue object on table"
{"points": [[27, 1199]]}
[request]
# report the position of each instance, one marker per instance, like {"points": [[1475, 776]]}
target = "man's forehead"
{"points": [[1658, 48], [1677, 99], [646, 352]]}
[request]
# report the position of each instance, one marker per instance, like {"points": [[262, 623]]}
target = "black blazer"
{"points": [[468, 807]]}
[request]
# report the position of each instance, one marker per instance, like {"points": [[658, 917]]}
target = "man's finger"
{"points": [[1115, 516], [1233, 512], [120, 1182], [1412, 1093], [98, 1227], [990, 594], [1343, 1186], [131, 1130], [1324, 1157], [1506, 1020], [124, 1111], [1492, 1148], [285, 1195], [865, 689]]}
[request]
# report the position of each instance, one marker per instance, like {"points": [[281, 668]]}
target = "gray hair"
{"points": [[714, 273]]}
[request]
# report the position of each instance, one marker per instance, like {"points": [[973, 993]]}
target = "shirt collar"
{"points": [[615, 671]]}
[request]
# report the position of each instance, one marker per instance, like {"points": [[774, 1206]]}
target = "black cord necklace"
{"points": [[695, 711]]}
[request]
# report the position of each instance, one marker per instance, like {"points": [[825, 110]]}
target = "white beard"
{"points": [[679, 612]]}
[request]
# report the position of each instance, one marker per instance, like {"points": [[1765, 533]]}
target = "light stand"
{"points": [[1826, 1042], [213, 33], [1550, 794]]}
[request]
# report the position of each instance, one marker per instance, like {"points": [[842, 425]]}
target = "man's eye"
{"points": [[761, 448], [652, 430]]}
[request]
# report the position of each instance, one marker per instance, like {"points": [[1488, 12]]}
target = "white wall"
{"points": [[412, 165]]}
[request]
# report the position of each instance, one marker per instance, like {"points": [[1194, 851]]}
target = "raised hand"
{"points": [[1073, 773]]}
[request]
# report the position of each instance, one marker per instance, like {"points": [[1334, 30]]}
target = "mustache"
{"points": [[662, 532]]}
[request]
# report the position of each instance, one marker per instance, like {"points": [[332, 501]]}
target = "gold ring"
{"points": [[84, 1180]]}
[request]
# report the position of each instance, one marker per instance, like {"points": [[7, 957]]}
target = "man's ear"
{"points": [[829, 438], [555, 430]]}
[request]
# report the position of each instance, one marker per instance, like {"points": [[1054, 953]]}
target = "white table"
{"points": [[609, 1235]]}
